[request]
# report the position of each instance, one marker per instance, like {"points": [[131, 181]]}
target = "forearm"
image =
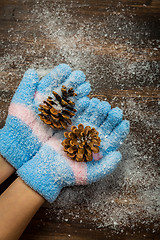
{"points": [[5, 169], [18, 204]]}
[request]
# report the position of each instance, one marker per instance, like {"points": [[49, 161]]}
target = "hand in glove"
{"points": [[24, 133], [50, 169]]}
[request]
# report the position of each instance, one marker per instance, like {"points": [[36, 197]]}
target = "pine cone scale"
{"points": [[69, 121], [63, 124], [54, 111]]}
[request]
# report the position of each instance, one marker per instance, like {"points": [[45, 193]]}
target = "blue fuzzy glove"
{"points": [[24, 133], [50, 169]]}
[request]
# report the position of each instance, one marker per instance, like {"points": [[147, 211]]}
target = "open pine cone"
{"points": [[81, 142], [57, 113]]}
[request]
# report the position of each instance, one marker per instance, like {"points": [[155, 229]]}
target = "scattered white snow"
{"points": [[113, 53]]}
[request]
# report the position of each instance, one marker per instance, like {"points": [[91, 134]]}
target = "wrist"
{"points": [[18, 204], [26, 192], [5, 169]]}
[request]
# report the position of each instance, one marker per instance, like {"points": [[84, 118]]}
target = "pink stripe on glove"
{"points": [[79, 168], [29, 118]]}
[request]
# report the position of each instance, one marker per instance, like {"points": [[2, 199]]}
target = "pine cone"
{"points": [[81, 142], [57, 113]]}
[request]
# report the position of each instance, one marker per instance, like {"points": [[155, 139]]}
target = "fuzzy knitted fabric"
{"points": [[50, 169], [24, 133]]}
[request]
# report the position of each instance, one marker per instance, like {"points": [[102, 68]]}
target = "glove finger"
{"points": [[53, 79], [98, 169], [98, 117], [116, 138], [84, 118], [83, 90], [75, 79], [80, 106], [27, 87], [114, 118]]}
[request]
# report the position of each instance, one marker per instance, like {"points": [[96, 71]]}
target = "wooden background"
{"points": [[118, 47]]}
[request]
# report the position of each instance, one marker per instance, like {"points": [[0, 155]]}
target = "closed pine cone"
{"points": [[81, 142], [58, 113]]}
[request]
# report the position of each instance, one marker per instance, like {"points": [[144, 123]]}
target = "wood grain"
{"points": [[133, 49]]}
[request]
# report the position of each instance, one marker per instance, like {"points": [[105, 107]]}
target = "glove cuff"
{"points": [[9, 147], [17, 142], [42, 176]]}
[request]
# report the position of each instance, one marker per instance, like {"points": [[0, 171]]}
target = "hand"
{"points": [[23, 134], [50, 170]]}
